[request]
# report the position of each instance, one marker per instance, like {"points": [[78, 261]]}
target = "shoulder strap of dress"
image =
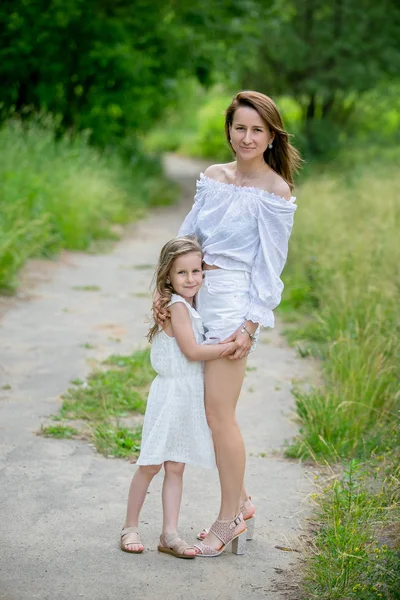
{"points": [[176, 298]]}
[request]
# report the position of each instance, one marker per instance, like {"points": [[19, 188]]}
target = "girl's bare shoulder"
{"points": [[223, 172]]}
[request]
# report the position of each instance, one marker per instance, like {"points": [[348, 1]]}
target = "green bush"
{"points": [[64, 194], [210, 141]]}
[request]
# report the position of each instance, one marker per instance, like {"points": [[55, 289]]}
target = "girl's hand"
{"points": [[160, 316], [242, 344]]}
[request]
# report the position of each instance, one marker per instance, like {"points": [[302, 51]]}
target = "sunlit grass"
{"points": [[65, 194], [343, 284], [354, 550], [343, 274]]}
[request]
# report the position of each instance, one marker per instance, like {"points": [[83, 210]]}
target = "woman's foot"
{"points": [[248, 511], [171, 543], [130, 540], [222, 534]]}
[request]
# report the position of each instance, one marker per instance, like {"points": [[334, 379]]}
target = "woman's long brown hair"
{"points": [[283, 158], [169, 253]]}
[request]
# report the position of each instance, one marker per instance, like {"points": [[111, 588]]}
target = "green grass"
{"points": [[343, 275], [356, 553], [112, 395], [117, 441], [341, 306], [59, 431], [65, 194]]}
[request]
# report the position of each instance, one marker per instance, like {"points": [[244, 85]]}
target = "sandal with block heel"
{"points": [[232, 534], [248, 510], [132, 540], [172, 544]]}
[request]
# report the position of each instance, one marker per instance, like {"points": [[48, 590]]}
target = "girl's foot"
{"points": [[171, 543], [130, 540]]}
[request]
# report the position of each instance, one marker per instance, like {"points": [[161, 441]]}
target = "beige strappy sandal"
{"points": [[174, 545], [231, 533], [130, 536], [248, 510]]}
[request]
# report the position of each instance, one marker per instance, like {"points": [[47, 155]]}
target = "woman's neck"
{"points": [[249, 168]]}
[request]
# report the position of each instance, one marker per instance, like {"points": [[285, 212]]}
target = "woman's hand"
{"points": [[242, 344], [230, 347], [160, 315]]}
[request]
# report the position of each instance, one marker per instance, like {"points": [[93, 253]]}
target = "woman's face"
{"points": [[249, 133]]}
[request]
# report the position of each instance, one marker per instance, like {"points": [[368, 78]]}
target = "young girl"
{"points": [[175, 430]]}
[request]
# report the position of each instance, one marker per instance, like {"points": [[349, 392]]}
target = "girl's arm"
{"points": [[183, 333]]}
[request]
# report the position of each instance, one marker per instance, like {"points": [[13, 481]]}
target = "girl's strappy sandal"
{"points": [[248, 510], [232, 535], [130, 537], [173, 544]]}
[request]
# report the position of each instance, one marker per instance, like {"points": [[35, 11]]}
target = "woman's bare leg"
{"points": [[223, 382]]}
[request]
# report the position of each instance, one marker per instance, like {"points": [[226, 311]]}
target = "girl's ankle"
{"points": [[166, 532]]}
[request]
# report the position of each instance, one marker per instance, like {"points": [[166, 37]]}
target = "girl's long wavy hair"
{"points": [[283, 157], [169, 253]]}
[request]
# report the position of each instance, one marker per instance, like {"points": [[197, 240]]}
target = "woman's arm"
{"points": [[183, 333], [241, 340]]}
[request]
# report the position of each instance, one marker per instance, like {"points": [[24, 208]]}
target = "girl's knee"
{"points": [[174, 468], [150, 470]]}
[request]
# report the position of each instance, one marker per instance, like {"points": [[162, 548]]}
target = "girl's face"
{"points": [[249, 133], [186, 275]]}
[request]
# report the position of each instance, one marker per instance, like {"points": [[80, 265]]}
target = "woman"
{"points": [[243, 217]]}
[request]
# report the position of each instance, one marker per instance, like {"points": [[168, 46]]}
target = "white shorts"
{"points": [[222, 302]]}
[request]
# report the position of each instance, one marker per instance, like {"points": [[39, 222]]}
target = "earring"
{"points": [[270, 146], [168, 281]]}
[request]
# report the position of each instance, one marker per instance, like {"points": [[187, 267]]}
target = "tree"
{"points": [[325, 52], [112, 66]]}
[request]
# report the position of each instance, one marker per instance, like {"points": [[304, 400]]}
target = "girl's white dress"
{"points": [[175, 426]]}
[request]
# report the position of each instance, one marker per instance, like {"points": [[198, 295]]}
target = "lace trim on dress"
{"points": [[256, 190]]}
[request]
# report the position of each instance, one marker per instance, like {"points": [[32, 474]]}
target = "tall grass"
{"points": [[344, 272], [343, 284], [64, 194]]}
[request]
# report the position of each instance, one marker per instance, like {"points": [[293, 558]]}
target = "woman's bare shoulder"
{"points": [[222, 173], [277, 185]]}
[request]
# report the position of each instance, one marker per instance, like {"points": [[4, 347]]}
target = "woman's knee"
{"points": [[150, 470], [219, 420], [174, 468]]}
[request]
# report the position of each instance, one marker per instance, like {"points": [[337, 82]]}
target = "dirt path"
{"points": [[62, 505]]}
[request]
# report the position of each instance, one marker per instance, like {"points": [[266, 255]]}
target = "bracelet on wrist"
{"points": [[245, 330]]}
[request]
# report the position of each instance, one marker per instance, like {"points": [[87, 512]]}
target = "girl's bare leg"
{"points": [[223, 382], [171, 498], [137, 494]]}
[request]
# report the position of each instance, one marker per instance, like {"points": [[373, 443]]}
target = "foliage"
{"points": [[343, 274], [64, 194], [103, 404], [59, 431], [355, 555], [113, 66], [324, 53]]}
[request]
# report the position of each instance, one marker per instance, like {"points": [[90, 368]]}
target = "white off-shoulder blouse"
{"points": [[246, 229]]}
